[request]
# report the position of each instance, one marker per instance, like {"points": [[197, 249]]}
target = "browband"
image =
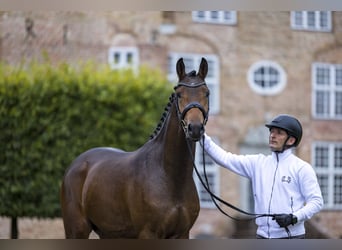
{"points": [[190, 85]]}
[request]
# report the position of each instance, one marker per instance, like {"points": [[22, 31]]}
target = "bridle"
{"points": [[191, 105]]}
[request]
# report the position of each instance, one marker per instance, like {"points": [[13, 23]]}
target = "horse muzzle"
{"points": [[194, 131]]}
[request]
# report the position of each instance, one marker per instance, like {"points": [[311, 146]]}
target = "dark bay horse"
{"points": [[148, 193]]}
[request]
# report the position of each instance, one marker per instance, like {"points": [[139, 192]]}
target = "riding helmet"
{"points": [[290, 124]]}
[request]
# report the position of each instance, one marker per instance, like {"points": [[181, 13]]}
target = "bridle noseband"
{"points": [[191, 105]]}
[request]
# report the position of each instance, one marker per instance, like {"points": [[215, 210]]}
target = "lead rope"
{"points": [[215, 198]]}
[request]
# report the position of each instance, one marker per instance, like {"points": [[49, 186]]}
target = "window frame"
{"points": [[212, 79], [327, 90], [207, 17], [303, 18], [123, 52], [268, 89], [329, 172], [212, 169]]}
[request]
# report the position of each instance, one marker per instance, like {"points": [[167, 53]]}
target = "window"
{"points": [[266, 78], [167, 27], [192, 62], [216, 17], [212, 173], [123, 57], [311, 20], [327, 161], [327, 90]]}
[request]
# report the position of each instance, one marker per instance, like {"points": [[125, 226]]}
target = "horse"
{"points": [[148, 193]]}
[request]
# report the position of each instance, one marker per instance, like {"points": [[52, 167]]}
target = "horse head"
{"points": [[192, 99]]}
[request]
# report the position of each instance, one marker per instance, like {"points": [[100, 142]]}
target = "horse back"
{"points": [[94, 163]]}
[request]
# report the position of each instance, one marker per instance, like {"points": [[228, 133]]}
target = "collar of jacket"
{"points": [[283, 155]]}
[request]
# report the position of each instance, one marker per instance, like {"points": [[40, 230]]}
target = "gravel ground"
{"points": [[35, 228]]}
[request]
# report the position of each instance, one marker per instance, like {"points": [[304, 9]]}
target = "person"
{"points": [[283, 184]]}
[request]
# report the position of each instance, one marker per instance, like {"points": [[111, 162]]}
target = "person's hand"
{"points": [[285, 220]]}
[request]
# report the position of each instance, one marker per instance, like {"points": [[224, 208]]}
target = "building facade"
{"points": [[260, 64]]}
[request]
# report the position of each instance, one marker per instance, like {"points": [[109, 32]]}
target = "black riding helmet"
{"points": [[290, 124]]}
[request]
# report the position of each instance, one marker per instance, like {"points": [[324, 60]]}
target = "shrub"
{"points": [[50, 114]]}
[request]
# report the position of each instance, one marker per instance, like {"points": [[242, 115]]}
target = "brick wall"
{"points": [[75, 36]]}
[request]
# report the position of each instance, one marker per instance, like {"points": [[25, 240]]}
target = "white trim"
{"points": [[329, 89], [267, 89], [303, 19], [221, 17], [167, 29], [213, 174], [123, 53], [328, 172]]}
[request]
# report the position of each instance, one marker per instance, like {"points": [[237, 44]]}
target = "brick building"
{"points": [[260, 64]]}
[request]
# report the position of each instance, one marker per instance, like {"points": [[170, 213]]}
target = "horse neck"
{"points": [[177, 156]]}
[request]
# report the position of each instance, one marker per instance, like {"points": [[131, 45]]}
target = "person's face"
{"points": [[277, 139]]}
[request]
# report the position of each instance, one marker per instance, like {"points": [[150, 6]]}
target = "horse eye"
{"points": [[179, 95], [207, 93]]}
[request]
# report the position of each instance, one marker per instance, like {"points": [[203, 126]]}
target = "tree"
{"points": [[50, 114]]}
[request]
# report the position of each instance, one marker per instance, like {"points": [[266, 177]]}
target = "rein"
{"points": [[215, 198], [205, 184]]}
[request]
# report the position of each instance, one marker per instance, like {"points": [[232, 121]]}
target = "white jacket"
{"points": [[281, 182]]}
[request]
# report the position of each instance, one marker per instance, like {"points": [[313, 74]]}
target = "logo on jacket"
{"points": [[286, 179]]}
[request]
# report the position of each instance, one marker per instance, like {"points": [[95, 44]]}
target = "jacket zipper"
{"points": [[269, 204]]}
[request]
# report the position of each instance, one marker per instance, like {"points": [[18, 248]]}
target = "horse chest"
{"points": [[174, 222]]}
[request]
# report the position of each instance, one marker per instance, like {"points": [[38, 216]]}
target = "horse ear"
{"points": [[203, 69], [180, 69]]}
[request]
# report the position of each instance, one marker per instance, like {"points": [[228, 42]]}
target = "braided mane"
{"points": [[167, 109], [163, 118]]}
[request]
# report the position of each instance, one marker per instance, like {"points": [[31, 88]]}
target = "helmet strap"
{"points": [[284, 145]]}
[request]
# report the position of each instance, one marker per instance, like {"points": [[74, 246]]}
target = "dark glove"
{"points": [[285, 220]]}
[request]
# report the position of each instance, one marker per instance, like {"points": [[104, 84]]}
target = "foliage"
{"points": [[50, 114]]}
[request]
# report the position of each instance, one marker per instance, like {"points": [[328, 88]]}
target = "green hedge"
{"points": [[50, 114]]}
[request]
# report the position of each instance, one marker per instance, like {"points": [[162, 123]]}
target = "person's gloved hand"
{"points": [[285, 220]]}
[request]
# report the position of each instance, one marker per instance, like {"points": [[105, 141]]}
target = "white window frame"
{"points": [[192, 62], [213, 175], [267, 88], [123, 54], [325, 104], [300, 20], [215, 17], [328, 171]]}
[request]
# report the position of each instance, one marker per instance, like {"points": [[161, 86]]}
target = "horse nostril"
{"points": [[190, 127], [195, 131], [202, 129]]}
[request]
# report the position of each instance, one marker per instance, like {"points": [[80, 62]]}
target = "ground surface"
{"points": [[35, 228]]}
